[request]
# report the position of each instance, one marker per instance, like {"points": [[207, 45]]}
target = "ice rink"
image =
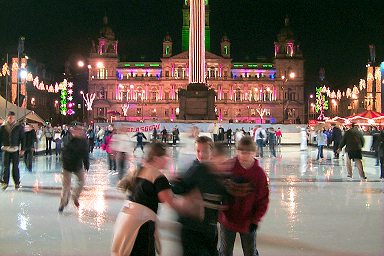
{"points": [[313, 210]]}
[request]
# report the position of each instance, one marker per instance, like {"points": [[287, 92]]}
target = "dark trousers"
{"points": [[145, 241], [381, 168], [196, 243], [164, 139], [9, 157], [48, 146], [121, 157], [272, 148], [139, 144], [320, 151], [335, 147], [91, 143], [112, 162], [28, 156]]}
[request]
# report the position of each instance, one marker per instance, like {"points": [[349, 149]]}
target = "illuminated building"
{"points": [[256, 91]]}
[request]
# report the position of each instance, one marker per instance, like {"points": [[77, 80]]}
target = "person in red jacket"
{"points": [[248, 185]]}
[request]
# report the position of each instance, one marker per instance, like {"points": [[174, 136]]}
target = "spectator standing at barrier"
{"points": [[272, 141], [260, 138], [30, 139], [381, 155], [11, 139], [58, 141], [221, 134], [48, 133], [353, 141], [279, 134], [248, 186], [375, 143], [139, 140], [238, 135], [154, 135], [100, 136], [91, 138], [75, 159], [336, 138], [64, 135], [229, 136], [215, 132], [175, 135], [164, 134]]}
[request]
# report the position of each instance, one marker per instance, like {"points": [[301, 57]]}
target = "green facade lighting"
{"points": [[253, 65], [127, 65], [267, 66], [185, 39], [238, 65], [154, 65], [139, 65]]}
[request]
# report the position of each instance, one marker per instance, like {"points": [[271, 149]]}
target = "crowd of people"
{"points": [[216, 197]]}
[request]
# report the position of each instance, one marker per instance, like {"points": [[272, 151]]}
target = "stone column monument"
{"points": [[197, 102]]}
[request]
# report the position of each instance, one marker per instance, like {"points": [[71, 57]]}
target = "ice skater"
{"points": [[139, 140], [75, 154]]}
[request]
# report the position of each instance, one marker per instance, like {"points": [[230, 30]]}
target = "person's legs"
{"points": [[260, 147], [248, 243], [50, 146], [359, 165], [145, 242], [79, 187], [46, 146], [66, 189], [14, 157], [381, 168], [6, 169], [318, 153], [349, 166], [227, 241]]}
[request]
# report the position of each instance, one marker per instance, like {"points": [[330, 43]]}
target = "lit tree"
{"points": [[321, 102]]}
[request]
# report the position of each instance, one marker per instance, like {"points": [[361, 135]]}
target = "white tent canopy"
{"points": [[21, 113]]}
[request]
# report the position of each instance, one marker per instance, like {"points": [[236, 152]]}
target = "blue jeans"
{"points": [[227, 241], [260, 145], [319, 151]]}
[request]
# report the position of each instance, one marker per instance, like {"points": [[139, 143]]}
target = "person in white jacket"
{"points": [[260, 138]]}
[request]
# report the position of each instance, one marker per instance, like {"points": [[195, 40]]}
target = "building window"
{"points": [[138, 112], [166, 96], [225, 112], [166, 73], [153, 95], [238, 95], [225, 96]]}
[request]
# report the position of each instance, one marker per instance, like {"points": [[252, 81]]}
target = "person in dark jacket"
{"points": [[91, 138], [376, 140], [337, 135], [11, 137], [381, 155], [139, 139], [353, 141], [200, 237], [30, 139], [74, 156]]}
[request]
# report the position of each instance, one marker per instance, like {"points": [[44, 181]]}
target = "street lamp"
{"points": [[309, 99], [284, 79], [83, 105]]}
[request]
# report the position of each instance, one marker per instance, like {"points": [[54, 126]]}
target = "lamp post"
{"points": [[82, 105], [284, 79], [248, 113], [308, 109]]}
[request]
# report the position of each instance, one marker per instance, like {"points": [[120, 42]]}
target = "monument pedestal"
{"points": [[197, 102]]}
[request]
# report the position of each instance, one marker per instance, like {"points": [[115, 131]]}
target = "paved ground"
{"points": [[313, 209]]}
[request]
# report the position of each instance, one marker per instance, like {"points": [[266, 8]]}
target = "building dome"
{"points": [[106, 31], [224, 39], [167, 38], [286, 32]]}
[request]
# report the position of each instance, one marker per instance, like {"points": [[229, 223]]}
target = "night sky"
{"points": [[333, 34]]}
